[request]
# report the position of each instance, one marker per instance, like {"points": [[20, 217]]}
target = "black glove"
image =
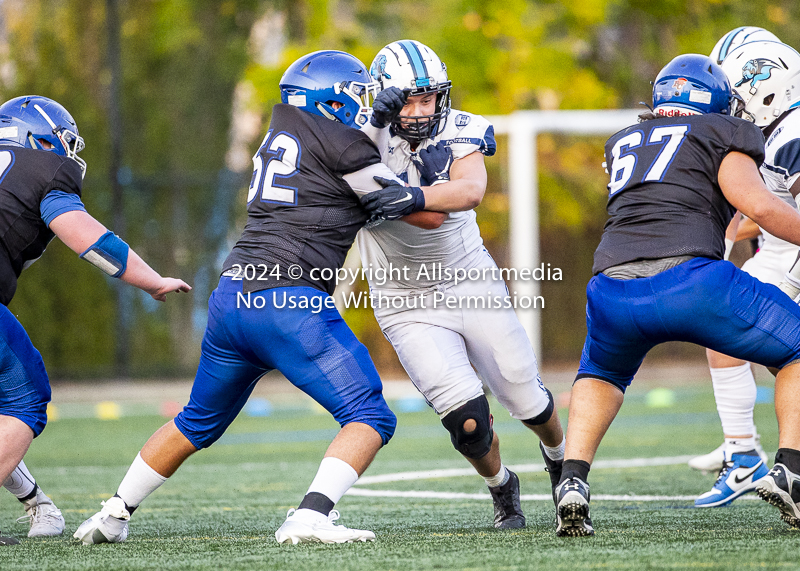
{"points": [[393, 201], [433, 164], [387, 106]]}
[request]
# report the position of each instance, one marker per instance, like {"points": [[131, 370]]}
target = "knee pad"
{"points": [[477, 443], [545, 415]]}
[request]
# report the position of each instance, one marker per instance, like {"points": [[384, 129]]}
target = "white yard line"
{"points": [[453, 473]]}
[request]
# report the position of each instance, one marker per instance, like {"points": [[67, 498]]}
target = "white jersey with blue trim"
{"points": [[456, 244], [781, 167]]}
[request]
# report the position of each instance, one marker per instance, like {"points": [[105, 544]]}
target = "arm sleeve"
{"points": [[57, 202], [362, 183]]}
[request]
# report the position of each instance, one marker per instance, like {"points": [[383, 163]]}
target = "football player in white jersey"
{"points": [[449, 349], [766, 75]]}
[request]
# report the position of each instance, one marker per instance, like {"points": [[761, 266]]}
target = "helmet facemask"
{"points": [[62, 138], [418, 128]]}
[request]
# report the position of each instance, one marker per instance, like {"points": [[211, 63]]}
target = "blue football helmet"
{"points": [[36, 122], [318, 81], [692, 83]]}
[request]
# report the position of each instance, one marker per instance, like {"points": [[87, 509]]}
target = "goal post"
{"points": [[522, 128]]}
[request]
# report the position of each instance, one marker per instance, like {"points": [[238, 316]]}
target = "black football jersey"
{"points": [[302, 215], [26, 176], [664, 197]]}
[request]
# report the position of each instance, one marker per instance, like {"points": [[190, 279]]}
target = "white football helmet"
{"points": [[736, 38], [766, 76], [416, 69]]}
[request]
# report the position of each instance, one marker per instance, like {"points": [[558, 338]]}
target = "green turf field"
{"points": [[220, 511]]}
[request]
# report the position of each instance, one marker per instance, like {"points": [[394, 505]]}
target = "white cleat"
{"points": [[43, 516], [109, 525], [308, 526], [711, 462], [714, 461]]}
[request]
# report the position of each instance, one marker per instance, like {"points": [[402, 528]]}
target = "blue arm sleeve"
{"points": [[58, 202]]}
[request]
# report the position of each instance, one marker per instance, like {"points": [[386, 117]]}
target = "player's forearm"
{"points": [[779, 219], [454, 196], [425, 219], [141, 275]]}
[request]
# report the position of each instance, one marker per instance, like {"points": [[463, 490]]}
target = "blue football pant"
{"points": [[24, 386], [316, 351], [707, 302]]}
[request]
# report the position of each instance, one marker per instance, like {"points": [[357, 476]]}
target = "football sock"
{"points": [[140, 481], [498, 479], [555, 452], [20, 482], [39, 498], [735, 393], [333, 479], [789, 458], [738, 445], [575, 469], [316, 502]]}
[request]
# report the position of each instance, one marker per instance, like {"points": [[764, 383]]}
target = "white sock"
{"points": [[498, 479], [736, 445], [333, 478], [735, 393], [140, 481], [555, 452], [20, 482]]}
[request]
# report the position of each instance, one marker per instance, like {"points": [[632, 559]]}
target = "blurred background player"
{"points": [[677, 179], [425, 142], [303, 214], [766, 76], [41, 177]]}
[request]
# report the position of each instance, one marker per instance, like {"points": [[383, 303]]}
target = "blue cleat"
{"points": [[739, 475]]}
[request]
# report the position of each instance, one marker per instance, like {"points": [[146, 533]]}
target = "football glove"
{"points": [[393, 201], [387, 106], [433, 164]]}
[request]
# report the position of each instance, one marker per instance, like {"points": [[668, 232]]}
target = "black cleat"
{"points": [[8, 540], [781, 488], [572, 509], [507, 509], [554, 468]]}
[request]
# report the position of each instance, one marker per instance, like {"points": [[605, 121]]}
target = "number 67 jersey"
{"points": [[664, 198]]}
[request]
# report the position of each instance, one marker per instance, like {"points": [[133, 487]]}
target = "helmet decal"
{"points": [[756, 70], [378, 68]]}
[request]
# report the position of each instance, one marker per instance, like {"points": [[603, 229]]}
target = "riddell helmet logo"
{"points": [[668, 111], [756, 70]]}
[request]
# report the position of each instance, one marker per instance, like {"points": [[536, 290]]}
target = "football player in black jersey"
{"points": [[677, 178], [40, 197], [273, 307]]}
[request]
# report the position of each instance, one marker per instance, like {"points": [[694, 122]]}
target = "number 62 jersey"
{"points": [[664, 198]]}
